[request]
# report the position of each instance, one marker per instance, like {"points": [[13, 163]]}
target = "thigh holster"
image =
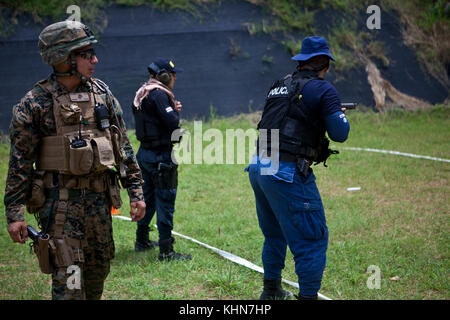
{"points": [[166, 176], [64, 251]]}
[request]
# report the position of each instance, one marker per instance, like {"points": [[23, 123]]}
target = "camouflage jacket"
{"points": [[32, 119]]}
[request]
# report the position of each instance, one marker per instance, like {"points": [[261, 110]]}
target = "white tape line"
{"points": [[231, 257], [396, 153], [122, 217]]}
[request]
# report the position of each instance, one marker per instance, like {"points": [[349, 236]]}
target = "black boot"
{"points": [[273, 291], [166, 251], [142, 239]]}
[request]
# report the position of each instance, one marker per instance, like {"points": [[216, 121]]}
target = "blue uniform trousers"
{"points": [[160, 200], [290, 213]]}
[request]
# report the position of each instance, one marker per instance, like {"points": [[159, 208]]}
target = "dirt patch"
{"points": [[383, 89]]}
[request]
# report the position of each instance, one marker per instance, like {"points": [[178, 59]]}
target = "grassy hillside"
{"points": [[398, 222]]}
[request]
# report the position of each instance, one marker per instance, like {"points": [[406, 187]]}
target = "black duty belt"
{"points": [[156, 146], [285, 157], [302, 163]]}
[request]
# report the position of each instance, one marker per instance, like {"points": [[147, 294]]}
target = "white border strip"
{"points": [[231, 257], [396, 153]]}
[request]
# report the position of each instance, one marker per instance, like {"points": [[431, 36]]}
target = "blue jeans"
{"points": [[290, 213], [160, 200]]}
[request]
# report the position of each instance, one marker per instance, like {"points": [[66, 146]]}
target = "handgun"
{"points": [[349, 105], [35, 235], [164, 166]]}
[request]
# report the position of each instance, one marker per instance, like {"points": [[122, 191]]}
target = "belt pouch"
{"points": [[173, 178], [63, 253], [166, 177], [114, 191], [303, 167]]}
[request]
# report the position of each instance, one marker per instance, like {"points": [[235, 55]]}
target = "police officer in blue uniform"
{"points": [[302, 107], [157, 116]]}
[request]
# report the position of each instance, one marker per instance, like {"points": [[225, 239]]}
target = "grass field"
{"points": [[398, 221]]}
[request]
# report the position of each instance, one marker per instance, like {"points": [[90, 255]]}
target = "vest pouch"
{"points": [[70, 114], [37, 199], [54, 154], [103, 154], [81, 159], [139, 123], [290, 128]]}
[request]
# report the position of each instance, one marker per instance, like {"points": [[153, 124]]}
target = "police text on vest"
{"points": [[279, 91]]}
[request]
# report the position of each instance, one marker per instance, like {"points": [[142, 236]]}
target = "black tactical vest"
{"points": [[301, 130], [150, 129]]}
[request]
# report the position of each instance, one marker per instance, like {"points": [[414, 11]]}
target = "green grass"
{"points": [[398, 221]]}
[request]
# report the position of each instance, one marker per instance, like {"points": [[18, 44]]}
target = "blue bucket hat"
{"points": [[311, 47], [161, 64]]}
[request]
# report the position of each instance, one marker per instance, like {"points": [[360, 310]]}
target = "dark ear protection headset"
{"points": [[301, 64], [160, 74]]}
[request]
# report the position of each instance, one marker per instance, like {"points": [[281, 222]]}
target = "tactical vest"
{"points": [[150, 130], [301, 130], [78, 156], [74, 116]]}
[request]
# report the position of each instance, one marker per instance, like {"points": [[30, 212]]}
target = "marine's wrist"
{"points": [[15, 214], [135, 194]]}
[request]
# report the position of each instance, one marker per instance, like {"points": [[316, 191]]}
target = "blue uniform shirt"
{"points": [[157, 104], [323, 95], [320, 95]]}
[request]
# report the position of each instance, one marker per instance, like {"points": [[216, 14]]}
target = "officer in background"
{"points": [[157, 116], [68, 145], [302, 106]]}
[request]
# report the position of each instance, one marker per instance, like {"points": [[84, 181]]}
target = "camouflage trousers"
{"points": [[88, 219]]}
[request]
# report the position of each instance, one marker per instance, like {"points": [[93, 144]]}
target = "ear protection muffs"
{"points": [[73, 69], [160, 74]]}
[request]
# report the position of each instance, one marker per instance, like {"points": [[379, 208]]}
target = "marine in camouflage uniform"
{"points": [[84, 219]]}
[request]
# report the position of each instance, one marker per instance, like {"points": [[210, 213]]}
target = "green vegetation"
{"points": [[55, 10], [398, 221], [92, 10], [427, 26], [426, 23]]}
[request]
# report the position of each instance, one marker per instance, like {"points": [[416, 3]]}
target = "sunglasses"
{"points": [[87, 54]]}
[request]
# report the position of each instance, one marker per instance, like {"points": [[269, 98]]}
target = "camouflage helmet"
{"points": [[57, 40]]}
